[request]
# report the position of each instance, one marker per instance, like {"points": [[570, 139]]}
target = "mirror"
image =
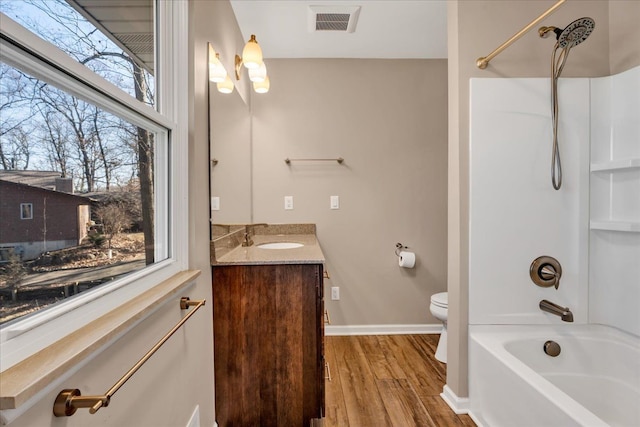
{"points": [[230, 160]]}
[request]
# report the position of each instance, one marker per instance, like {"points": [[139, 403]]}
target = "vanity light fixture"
{"points": [[251, 56], [259, 74], [263, 86], [253, 61], [225, 86], [217, 73]]}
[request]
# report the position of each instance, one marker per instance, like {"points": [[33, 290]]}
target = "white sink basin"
{"points": [[280, 245]]}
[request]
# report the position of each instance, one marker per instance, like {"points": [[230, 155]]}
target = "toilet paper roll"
{"points": [[406, 259]]}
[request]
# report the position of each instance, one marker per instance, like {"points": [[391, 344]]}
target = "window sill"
{"points": [[24, 380]]}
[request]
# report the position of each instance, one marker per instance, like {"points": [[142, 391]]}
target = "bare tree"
{"points": [[15, 149], [78, 116], [55, 141], [114, 219], [14, 96], [145, 174]]}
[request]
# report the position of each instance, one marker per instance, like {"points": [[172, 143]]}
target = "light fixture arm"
{"points": [[238, 66]]}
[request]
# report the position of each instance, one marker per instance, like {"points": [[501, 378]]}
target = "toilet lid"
{"points": [[441, 299]]}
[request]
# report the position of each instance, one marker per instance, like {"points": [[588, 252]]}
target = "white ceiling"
{"points": [[385, 29]]}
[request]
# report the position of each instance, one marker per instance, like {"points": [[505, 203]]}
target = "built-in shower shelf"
{"points": [[628, 226], [615, 165]]}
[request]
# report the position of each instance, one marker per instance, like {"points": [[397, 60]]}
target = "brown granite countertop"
{"points": [[228, 250]]}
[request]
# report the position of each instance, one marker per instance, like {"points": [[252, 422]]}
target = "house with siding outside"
{"points": [[39, 213]]}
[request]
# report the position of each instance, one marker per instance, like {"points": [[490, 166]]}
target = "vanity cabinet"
{"points": [[268, 344]]}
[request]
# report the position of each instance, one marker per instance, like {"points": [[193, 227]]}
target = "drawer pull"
{"points": [[326, 366]]}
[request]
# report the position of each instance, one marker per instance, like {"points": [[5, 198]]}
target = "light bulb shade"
{"points": [[262, 87], [252, 54], [217, 72], [225, 86], [257, 75]]}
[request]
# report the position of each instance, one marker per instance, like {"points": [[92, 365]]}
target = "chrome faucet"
{"points": [[248, 241], [563, 312]]}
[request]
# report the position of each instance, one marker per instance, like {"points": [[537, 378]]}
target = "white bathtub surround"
{"points": [[614, 270], [515, 214], [591, 226], [595, 381]]}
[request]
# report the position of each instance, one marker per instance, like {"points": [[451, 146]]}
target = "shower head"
{"points": [[573, 34], [576, 32]]}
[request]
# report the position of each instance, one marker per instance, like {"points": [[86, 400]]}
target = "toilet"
{"points": [[439, 307]]}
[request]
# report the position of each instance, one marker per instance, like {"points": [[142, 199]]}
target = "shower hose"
{"points": [[557, 64]]}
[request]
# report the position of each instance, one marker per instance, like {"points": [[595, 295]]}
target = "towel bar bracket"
{"points": [[70, 400]]}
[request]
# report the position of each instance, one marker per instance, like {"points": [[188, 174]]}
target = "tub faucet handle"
{"points": [[548, 272], [545, 271]]}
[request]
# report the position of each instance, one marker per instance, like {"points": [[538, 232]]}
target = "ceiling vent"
{"points": [[333, 18]]}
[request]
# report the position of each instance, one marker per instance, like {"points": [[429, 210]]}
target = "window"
{"points": [[99, 163], [26, 211], [108, 162], [116, 56]]}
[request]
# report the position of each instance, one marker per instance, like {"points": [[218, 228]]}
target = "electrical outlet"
{"points": [[335, 293], [288, 203], [335, 202], [215, 203]]}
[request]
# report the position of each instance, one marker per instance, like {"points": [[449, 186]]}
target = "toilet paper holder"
{"points": [[400, 247], [406, 259]]}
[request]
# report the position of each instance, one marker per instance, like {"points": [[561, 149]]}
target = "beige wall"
{"points": [[475, 29], [388, 119], [624, 35]]}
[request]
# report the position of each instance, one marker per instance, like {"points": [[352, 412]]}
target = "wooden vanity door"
{"points": [[266, 346]]}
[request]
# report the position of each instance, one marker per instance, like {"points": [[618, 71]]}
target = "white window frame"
{"points": [[22, 210], [21, 339]]}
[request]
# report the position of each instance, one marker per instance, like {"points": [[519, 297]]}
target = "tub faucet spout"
{"points": [[563, 312]]}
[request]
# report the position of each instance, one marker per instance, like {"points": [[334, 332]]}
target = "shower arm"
{"points": [[483, 61]]}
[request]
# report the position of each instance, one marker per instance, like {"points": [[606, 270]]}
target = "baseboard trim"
{"points": [[346, 330], [459, 405], [479, 423], [194, 421]]}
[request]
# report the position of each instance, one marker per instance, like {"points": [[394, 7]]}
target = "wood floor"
{"points": [[386, 380]]}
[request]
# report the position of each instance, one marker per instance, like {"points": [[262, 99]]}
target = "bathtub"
{"points": [[594, 381]]}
